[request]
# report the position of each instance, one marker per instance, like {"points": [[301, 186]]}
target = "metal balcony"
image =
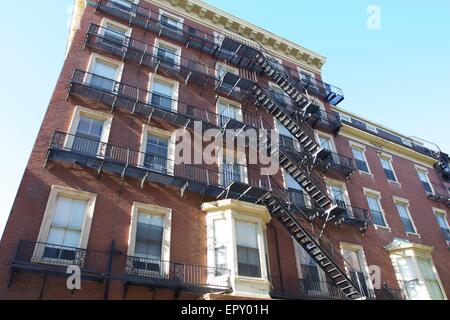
{"points": [[304, 289], [158, 60], [351, 215], [437, 192], [53, 260], [50, 259], [155, 273], [326, 121], [135, 101], [386, 293], [236, 50], [335, 163]]}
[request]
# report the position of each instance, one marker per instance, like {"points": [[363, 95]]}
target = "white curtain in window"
{"points": [[431, 282], [246, 235], [162, 89], [105, 70]]}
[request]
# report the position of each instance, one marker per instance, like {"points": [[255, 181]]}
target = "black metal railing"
{"points": [[337, 163], [211, 44], [437, 192], [292, 288], [52, 258], [352, 214], [146, 103], [142, 270], [389, 294], [325, 120]]}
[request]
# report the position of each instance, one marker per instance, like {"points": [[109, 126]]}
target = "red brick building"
{"points": [[103, 191]]}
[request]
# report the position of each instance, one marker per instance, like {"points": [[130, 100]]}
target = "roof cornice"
{"points": [[215, 18]]}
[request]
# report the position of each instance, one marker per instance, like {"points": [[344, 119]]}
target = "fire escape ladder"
{"points": [[281, 78], [334, 272]]}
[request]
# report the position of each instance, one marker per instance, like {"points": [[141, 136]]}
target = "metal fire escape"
{"points": [[124, 161]]}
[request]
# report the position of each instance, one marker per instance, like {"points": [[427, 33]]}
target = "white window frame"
{"points": [[226, 67], [93, 59], [106, 21], [153, 210], [363, 149], [336, 183], [49, 213], [238, 106], [412, 252], [239, 157], [178, 50], [79, 111], [313, 76], [405, 202], [328, 136], [174, 84], [180, 20], [424, 170], [232, 211], [442, 213], [153, 131], [390, 159], [377, 195], [362, 259]]}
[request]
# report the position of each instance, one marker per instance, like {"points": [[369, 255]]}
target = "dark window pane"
{"points": [[248, 262], [390, 175]]}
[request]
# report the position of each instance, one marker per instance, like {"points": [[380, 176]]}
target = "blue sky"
{"points": [[397, 76]]}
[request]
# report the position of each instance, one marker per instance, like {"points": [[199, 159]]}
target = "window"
{"points": [[65, 227], [88, 135], [103, 73], [157, 153], [443, 224], [280, 95], [89, 129], [423, 176], [308, 78], [114, 35], [149, 244], [325, 143], [310, 274], [405, 216], [386, 163], [361, 161], [227, 112], [430, 279], [157, 150], [164, 93], [415, 270], [247, 250], [125, 4], [220, 247], [297, 196], [231, 168], [357, 267], [170, 21], [169, 54], [222, 69], [338, 195], [375, 210]]}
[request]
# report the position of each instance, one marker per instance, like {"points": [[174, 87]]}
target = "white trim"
{"points": [[155, 211], [174, 84], [49, 213], [119, 65], [179, 19], [178, 49], [412, 253], [149, 130], [359, 250], [240, 158], [328, 136], [424, 170], [405, 202], [227, 67], [389, 159], [236, 105], [106, 21], [377, 195], [361, 147], [443, 214]]}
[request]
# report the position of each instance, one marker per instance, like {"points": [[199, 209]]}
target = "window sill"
{"points": [[366, 173], [395, 183], [414, 234], [377, 227], [251, 280]]}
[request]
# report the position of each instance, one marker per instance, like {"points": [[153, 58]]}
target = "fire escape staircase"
{"points": [[334, 272]]}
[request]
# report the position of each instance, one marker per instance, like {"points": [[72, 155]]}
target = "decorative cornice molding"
{"points": [[215, 18]]}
